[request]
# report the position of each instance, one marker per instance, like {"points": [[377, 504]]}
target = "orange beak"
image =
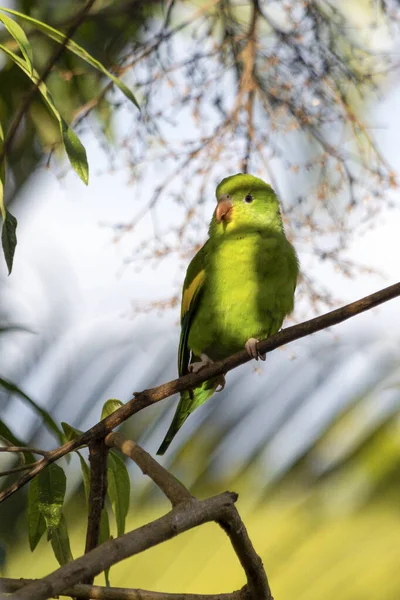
{"points": [[224, 208]]}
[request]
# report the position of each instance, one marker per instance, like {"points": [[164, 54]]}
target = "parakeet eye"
{"points": [[248, 199]]}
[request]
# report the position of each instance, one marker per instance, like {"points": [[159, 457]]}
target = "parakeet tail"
{"points": [[187, 405]]}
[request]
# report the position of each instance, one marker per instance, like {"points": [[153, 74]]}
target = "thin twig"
{"points": [[172, 487], [248, 82], [146, 398], [20, 450], [24, 467], [23, 449], [161, 37]]}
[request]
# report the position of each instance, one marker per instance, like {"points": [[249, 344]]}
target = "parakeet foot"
{"points": [[200, 364], [251, 347], [221, 383]]}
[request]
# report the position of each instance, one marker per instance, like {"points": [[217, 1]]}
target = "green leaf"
{"points": [[60, 542], [72, 46], [52, 485], [36, 522], [19, 36], [104, 536], [48, 420], [86, 476], [2, 177], [2, 204], [72, 144], [9, 236], [76, 151], [110, 406], [107, 577], [119, 489], [70, 433]]}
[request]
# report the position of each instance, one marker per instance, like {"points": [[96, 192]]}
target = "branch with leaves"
{"points": [[187, 512], [48, 484], [73, 146]]}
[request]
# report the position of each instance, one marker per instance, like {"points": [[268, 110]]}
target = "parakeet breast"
{"points": [[248, 290]]}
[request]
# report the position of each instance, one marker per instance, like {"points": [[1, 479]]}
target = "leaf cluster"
{"points": [[72, 145], [47, 495]]}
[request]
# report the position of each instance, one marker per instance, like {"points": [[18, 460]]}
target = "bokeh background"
{"points": [[306, 96]]}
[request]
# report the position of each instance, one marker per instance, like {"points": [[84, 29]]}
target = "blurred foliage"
{"points": [[107, 30]]}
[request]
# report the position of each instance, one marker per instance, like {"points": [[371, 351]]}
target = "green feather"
{"points": [[187, 404], [240, 285]]}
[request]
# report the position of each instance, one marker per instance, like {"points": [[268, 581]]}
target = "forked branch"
{"points": [[183, 517]]}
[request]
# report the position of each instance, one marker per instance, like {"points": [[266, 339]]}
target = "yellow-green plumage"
{"points": [[240, 285]]}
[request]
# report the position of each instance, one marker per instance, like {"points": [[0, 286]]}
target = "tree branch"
{"points": [[257, 581], [98, 488], [248, 83], [24, 467], [172, 487], [180, 519], [115, 593], [23, 449], [148, 397]]}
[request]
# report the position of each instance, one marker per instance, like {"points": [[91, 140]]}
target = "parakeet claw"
{"points": [[251, 347], [200, 364], [221, 383]]}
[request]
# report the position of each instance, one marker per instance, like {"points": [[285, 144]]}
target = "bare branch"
{"points": [[24, 467], [115, 593], [20, 450], [172, 487], [23, 449], [248, 83], [235, 529]]}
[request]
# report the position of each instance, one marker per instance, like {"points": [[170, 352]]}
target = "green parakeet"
{"points": [[238, 288]]}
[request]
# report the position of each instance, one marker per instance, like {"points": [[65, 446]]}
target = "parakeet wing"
{"points": [[192, 288]]}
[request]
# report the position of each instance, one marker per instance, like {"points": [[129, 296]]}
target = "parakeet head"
{"points": [[245, 204]]}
